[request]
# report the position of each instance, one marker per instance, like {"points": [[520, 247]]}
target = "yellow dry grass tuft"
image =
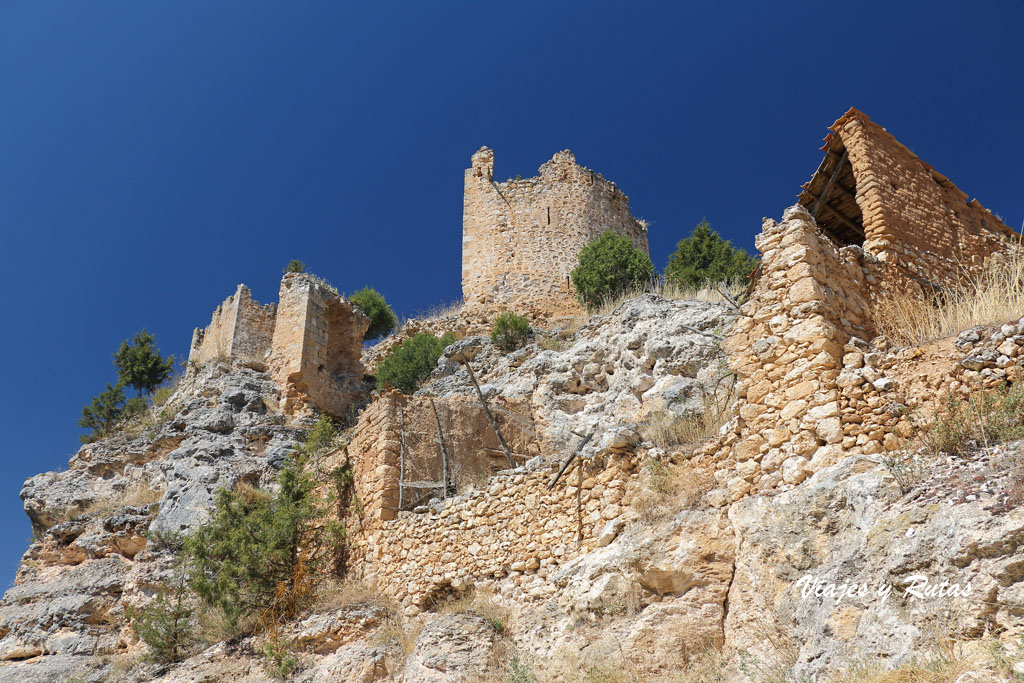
{"points": [[993, 296]]}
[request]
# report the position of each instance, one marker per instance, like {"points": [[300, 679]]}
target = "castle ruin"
{"points": [[522, 238], [873, 192], [311, 340]]}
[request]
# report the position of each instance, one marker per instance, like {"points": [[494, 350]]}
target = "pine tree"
{"points": [[167, 623], [705, 258], [140, 365], [105, 411]]}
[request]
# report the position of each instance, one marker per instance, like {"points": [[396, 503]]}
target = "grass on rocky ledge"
{"points": [[709, 294], [993, 296]]}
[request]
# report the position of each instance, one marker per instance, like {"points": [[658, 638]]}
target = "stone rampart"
{"points": [[241, 328], [317, 346]]}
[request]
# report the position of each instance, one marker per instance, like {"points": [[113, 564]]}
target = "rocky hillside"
{"points": [[806, 582]]}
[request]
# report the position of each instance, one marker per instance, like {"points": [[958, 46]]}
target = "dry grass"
{"points": [[438, 312], [121, 665], [333, 594], [711, 294], [665, 488], [993, 296], [482, 602], [948, 660], [399, 630], [138, 494]]}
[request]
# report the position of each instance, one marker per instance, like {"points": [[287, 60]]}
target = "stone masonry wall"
{"points": [[473, 450], [913, 216], [521, 238], [507, 525], [317, 346], [811, 388], [806, 319], [240, 328]]}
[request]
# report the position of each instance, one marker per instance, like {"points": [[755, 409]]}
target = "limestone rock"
{"points": [[451, 648]]}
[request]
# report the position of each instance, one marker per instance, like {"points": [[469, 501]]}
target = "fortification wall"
{"points": [[522, 238], [317, 346], [913, 216], [240, 328]]}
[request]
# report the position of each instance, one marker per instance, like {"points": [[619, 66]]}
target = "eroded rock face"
{"points": [[848, 524], [93, 521], [450, 649], [650, 354]]}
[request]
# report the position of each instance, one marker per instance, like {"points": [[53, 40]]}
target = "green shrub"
{"points": [[609, 267], [412, 361], [510, 331], [295, 266], [372, 303], [705, 258], [167, 623], [258, 559]]}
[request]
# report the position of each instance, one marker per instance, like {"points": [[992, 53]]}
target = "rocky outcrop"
{"points": [[95, 522], [649, 354], [912, 569]]}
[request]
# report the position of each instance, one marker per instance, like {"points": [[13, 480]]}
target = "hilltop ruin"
{"points": [[311, 340], [522, 238]]}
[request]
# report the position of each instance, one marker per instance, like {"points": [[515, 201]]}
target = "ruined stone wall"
{"points": [[240, 328], [913, 216], [804, 324], [473, 450], [814, 382], [509, 524], [522, 238], [317, 346]]}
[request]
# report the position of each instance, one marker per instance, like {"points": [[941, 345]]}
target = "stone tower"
{"points": [[522, 238]]}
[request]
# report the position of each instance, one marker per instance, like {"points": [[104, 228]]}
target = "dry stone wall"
{"points": [[375, 447], [811, 388], [240, 328], [505, 525], [522, 238]]}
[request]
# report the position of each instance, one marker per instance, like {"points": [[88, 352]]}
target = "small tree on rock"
{"points": [[102, 414], [372, 303], [167, 623], [705, 258], [140, 365], [295, 266], [610, 267]]}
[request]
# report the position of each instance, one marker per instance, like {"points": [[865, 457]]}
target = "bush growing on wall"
{"points": [[412, 361], [510, 331], [609, 267], [372, 303]]}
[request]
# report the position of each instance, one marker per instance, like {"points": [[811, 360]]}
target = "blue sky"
{"points": [[155, 154]]}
